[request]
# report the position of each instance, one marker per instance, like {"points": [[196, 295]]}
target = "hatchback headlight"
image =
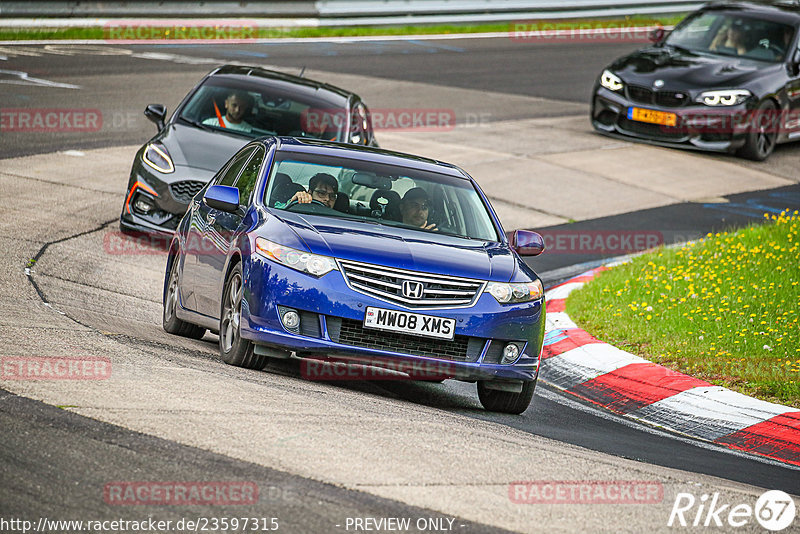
{"points": [[724, 98], [157, 157], [313, 264], [610, 81], [511, 293]]}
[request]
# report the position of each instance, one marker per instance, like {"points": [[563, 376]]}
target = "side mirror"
{"points": [[527, 243], [157, 114], [794, 64], [222, 197]]}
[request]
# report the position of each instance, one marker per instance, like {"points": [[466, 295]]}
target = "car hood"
{"points": [[403, 248], [192, 147], [681, 70]]}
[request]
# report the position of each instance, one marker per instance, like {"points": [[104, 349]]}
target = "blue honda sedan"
{"points": [[361, 256]]}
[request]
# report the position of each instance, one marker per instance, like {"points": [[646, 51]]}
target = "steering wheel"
{"points": [[294, 203]]}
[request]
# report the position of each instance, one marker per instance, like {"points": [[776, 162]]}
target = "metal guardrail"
{"points": [[344, 12]]}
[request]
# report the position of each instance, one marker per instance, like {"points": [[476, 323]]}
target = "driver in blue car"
{"points": [[322, 187]]}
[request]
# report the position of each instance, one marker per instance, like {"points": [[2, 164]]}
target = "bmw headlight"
{"points": [[306, 262], [512, 293], [724, 98], [157, 157], [610, 81]]}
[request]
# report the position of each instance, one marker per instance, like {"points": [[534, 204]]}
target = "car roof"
{"points": [[365, 153], [273, 77], [787, 11]]}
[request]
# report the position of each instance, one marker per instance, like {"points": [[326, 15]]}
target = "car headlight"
{"points": [[157, 157], [306, 262], [510, 293], [610, 81], [724, 98]]}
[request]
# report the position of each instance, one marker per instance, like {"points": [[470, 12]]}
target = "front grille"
{"points": [[652, 131], [385, 283], [671, 99], [184, 191], [667, 99], [350, 332], [640, 94]]}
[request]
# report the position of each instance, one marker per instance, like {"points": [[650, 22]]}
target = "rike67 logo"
{"points": [[774, 510]]}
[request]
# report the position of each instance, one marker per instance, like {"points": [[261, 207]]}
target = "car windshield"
{"points": [[376, 193], [733, 34], [255, 110]]}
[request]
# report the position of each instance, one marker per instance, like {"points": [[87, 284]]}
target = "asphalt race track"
{"points": [[321, 453]]}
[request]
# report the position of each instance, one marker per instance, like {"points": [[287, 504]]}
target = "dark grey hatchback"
{"points": [[231, 106]]}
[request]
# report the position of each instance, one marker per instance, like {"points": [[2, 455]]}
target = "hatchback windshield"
{"points": [[376, 193], [732, 34], [254, 110]]}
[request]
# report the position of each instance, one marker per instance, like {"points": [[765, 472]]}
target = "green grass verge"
{"points": [[100, 33], [725, 309]]}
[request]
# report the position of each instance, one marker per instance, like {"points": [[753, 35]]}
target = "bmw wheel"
{"points": [[234, 349], [169, 318], [763, 132]]}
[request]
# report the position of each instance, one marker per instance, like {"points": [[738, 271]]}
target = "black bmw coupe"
{"points": [[230, 107], [726, 79]]}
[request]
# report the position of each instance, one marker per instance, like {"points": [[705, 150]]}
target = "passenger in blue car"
{"points": [[415, 208], [322, 187]]}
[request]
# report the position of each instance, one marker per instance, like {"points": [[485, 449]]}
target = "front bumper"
{"points": [[331, 327], [697, 126]]}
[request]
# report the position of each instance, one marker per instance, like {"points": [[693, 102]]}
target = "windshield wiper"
{"points": [[197, 124], [680, 48]]}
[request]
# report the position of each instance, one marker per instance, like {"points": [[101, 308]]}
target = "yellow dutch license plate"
{"points": [[652, 116]]}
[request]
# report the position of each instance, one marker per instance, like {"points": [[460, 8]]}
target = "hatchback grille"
{"points": [[437, 291], [185, 190], [350, 332]]}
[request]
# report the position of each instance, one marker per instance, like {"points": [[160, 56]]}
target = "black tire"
{"points": [[169, 319], [233, 348], [504, 401], [762, 134]]}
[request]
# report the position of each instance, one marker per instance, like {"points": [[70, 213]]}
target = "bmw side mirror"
{"points": [[222, 197], [795, 63], [157, 114], [527, 243], [657, 34]]}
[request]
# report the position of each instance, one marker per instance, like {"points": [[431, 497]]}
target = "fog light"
{"points": [[510, 353], [291, 320], [143, 205]]}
